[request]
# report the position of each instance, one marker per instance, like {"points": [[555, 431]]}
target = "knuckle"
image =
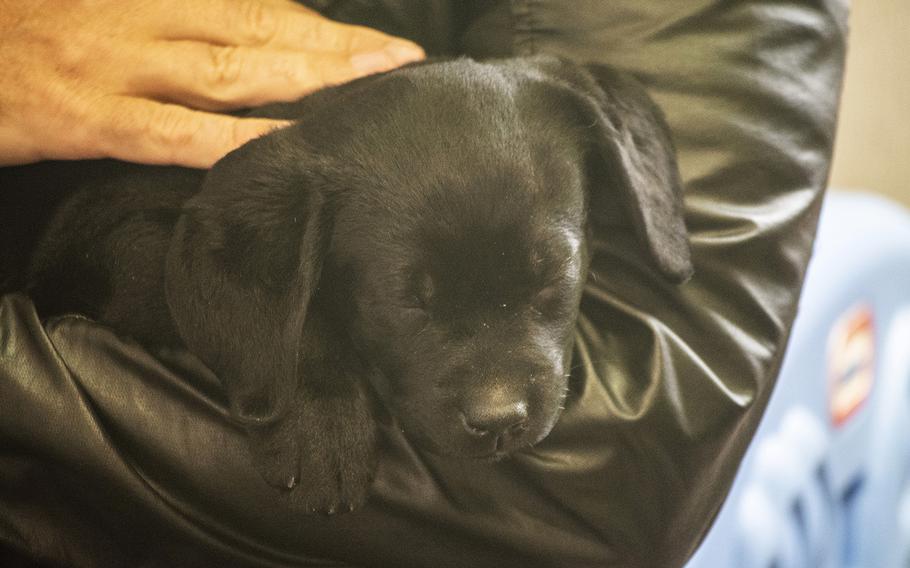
{"points": [[169, 129], [71, 56], [224, 69], [258, 22]]}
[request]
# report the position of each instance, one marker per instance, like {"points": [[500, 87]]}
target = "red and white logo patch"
{"points": [[851, 363]]}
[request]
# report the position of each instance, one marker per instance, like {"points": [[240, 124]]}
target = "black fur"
{"points": [[420, 234]]}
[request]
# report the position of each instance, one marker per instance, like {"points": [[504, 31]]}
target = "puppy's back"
{"points": [[102, 252]]}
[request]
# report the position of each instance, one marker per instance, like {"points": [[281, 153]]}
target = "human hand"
{"points": [[139, 80]]}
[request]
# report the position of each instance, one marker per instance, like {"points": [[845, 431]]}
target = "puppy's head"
{"points": [[464, 257], [441, 214]]}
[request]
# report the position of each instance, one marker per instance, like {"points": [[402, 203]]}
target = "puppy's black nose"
{"points": [[496, 419]]}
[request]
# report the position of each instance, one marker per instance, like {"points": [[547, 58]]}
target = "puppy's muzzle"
{"points": [[496, 420], [498, 425]]}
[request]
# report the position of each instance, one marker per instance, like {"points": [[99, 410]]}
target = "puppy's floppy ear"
{"points": [[243, 264], [633, 141]]}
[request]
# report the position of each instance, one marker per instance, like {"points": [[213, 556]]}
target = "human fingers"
{"points": [[277, 24], [134, 130], [214, 77], [145, 131]]}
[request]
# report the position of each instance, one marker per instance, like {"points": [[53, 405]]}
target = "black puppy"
{"points": [[420, 234]]}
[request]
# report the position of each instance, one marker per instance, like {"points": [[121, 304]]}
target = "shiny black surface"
{"points": [[109, 457]]}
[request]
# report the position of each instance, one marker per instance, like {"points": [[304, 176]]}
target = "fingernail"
{"points": [[372, 62], [405, 52]]}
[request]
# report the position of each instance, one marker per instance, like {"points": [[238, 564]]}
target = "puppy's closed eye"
{"points": [[419, 294], [555, 301], [548, 302], [426, 288]]}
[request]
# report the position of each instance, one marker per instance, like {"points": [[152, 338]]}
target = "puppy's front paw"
{"points": [[323, 453], [338, 460]]}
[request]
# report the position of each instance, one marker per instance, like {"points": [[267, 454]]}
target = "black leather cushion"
{"points": [[111, 457]]}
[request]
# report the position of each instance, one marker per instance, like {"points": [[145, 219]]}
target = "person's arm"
{"points": [[142, 80], [675, 380]]}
